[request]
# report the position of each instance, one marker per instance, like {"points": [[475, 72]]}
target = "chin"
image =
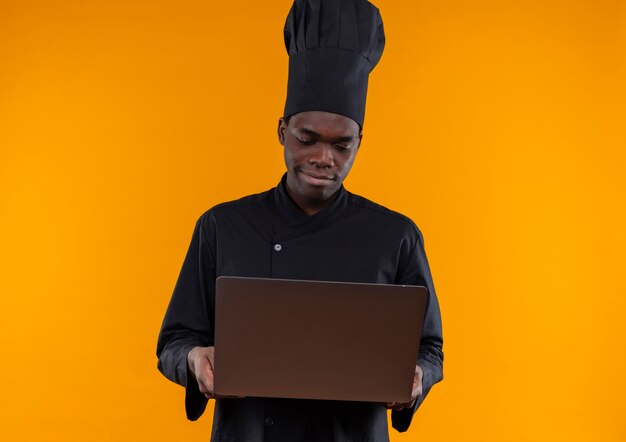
{"points": [[312, 192], [320, 194]]}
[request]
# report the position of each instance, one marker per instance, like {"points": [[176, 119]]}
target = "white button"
{"points": [[278, 247]]}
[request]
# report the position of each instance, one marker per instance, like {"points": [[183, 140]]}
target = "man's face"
{"points": [[320, 148]]}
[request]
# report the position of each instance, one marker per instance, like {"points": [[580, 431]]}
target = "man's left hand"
{"points": [[417, 392]]}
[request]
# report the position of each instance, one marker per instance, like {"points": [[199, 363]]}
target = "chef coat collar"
{"points": [[293, 215]]}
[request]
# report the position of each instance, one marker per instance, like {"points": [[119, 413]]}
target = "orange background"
{"points": [[498, 126]]}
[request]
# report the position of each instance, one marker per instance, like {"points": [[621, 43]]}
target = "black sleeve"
{"points": [[430, 358], [189, 317]]}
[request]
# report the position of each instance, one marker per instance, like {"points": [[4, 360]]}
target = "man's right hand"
{"points": [[200, 361]]}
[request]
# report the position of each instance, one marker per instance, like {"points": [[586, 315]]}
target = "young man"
{"points": [[308, 227]]}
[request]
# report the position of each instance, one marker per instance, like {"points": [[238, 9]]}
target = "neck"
{"points": [[308, 206]]}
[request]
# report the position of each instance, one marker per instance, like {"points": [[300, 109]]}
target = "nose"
{"points": [[322, 157]]}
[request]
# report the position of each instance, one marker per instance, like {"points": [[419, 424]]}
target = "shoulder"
{"points": [[246, 204], [381, 214]]}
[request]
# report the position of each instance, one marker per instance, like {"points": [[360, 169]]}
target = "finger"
{"points": [[416, 394], [417, 391], [392, 405], [208, 387], [211, 357], [206, 376], [417, 382], [208, 392], [205, 380]]}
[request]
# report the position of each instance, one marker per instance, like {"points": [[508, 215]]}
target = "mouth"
{"points": [[315, 179]]}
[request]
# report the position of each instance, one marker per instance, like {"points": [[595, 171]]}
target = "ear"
{"points": [[282, 127], [360, 138]]}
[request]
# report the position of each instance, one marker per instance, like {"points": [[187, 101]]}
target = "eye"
{"points": [[341, 148], [306, 142]]}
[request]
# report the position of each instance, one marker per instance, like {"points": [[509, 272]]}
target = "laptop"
{"points": [[316, 339]]}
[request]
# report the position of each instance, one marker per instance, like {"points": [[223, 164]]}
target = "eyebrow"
{"points": [[314, 134]]}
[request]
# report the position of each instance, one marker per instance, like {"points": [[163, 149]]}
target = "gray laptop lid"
{"points": [[316, 339]]}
